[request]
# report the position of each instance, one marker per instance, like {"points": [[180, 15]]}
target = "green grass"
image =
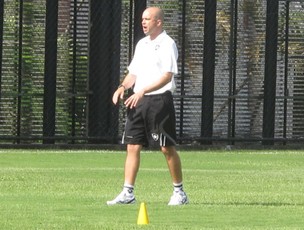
{"points": [[42, 189]]}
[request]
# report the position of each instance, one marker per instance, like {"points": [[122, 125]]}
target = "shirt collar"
{"points": [[158, 39]]}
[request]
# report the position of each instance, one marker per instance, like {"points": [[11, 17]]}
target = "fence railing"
{"points": [[241, 69]]}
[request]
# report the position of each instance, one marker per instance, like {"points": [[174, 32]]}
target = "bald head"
{"points": [[157, 12], [152, 21]]}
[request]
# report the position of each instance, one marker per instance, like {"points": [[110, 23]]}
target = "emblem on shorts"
{"points": [[155, 136]]}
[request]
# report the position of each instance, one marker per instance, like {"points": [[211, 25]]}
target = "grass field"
{"points": [[238, 189]]}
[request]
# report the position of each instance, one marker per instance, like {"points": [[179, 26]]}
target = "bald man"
{"points": [[151, 114]]}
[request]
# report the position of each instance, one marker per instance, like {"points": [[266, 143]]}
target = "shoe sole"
{"points": [[119, 202], [183, 203]]}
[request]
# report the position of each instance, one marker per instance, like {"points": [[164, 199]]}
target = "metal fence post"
{"points": [[104, 69], [208, 70], [50, 70], [232, 69], [139, 7], [1, 38], [270, 71], [182, 72]]}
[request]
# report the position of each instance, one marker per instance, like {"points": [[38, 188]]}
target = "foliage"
{"points": [[22, 77]]}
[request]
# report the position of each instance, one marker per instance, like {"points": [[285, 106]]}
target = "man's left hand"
{"points": [[134, 99]]}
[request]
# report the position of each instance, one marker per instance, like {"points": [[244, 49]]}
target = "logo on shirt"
{"points": [[155, 136], [156, 47]]}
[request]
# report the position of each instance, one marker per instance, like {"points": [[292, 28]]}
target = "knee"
{"points": [[168, 151], [134, 148]]}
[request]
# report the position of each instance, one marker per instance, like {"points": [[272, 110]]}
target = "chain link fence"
{"points": [[241, 69]]}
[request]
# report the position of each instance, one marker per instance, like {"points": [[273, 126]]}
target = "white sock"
{"points": [[128, 188], [178, 187]]}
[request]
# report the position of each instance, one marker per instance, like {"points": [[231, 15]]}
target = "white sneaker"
{"points": [[123, 198], [178, 198]]}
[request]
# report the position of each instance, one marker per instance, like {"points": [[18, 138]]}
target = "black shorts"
{"points": [[152, 122]]}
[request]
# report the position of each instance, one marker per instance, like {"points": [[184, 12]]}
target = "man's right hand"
{"points": [[118, 95]]}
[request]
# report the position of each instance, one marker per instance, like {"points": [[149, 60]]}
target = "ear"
{"points": [[159, 22]]}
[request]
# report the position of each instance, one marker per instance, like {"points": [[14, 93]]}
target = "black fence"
{"points": [[241, 69]]}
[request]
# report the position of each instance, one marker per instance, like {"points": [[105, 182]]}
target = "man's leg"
{"points": [[132, 163], [179, 197], [174, 163]]}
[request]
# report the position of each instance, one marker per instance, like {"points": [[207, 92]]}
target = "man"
{"points": [[151, 116]]}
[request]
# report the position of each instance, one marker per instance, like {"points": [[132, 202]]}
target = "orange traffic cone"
{"points": [[143, 215]]}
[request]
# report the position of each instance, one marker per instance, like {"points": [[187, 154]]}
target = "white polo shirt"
{"points": [[153, 58]]}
